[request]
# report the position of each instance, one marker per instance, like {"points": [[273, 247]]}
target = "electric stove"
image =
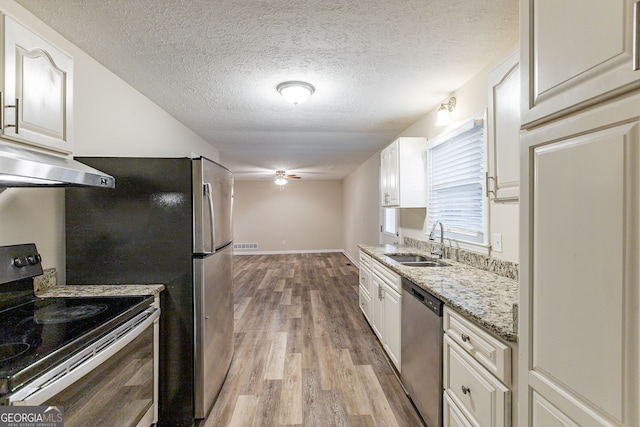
{"points": [[39, 333]]}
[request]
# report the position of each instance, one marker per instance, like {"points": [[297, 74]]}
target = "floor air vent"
{"points": [[245, 246]]}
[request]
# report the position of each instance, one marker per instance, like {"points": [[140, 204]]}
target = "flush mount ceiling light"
{"points": [[444, 113], [295, 92]]}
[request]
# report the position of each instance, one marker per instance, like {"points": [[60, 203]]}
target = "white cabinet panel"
{"points": [[504, 129], [38, 89], [452, 416], [403, 173], [392, 324], [487, 350], [474, 389], [365, 303], [545, 414], [383, 303], [378, 307], [574, 54], [580, 296]]}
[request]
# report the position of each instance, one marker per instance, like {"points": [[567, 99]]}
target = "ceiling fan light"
{"points": [[295, 92], [280, 181]]}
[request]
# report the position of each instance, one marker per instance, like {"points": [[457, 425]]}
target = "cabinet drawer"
{"points": [[487, 350], [452, 415], [479, 395], [365, 260], [365, 280], [387, 276], [365, 303]]}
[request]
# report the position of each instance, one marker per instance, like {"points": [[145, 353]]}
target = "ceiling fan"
{"points": [[282, 177]]}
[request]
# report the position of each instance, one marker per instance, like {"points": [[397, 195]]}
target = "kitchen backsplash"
{"points": [[500, 267], [46, 281]]}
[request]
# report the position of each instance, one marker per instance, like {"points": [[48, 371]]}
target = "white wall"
{"points": [[472, 98], [361, 201], [110, 118], [305, 216]]}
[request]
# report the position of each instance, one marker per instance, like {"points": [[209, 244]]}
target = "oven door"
{"points": [[111, 381]]}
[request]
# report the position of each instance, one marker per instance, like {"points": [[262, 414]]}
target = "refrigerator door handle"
{"points": [[208, 191]]}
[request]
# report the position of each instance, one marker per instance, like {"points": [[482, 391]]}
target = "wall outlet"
{"points": [[496, 242]]}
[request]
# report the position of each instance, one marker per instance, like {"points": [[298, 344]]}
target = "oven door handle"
{"points": [[68, 372]]}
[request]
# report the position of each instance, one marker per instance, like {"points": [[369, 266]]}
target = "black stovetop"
{"points": [[38, 333]]}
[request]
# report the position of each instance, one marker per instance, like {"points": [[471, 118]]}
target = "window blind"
{"points": [[456, 183]]}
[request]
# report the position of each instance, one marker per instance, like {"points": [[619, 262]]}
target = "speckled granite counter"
{"points": [[481, 296], [100, 290]]}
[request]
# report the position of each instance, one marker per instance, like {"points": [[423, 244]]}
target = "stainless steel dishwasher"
{"points": [[421, 351]]}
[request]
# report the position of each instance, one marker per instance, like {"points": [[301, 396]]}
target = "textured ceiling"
{"points": [[377, 66]]}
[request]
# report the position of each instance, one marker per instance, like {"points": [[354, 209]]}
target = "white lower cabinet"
{"points": [[365, 303], [382, 305], [392, 305], [364, 293], [452, 415], [387, 304], [473, 394]]}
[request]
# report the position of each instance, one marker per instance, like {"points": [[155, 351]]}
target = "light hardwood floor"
{"points": [[304, 354]]}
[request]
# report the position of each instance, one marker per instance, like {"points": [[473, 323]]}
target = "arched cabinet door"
{"points": [[37, 91]]}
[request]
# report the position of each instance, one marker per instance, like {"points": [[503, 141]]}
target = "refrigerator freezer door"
{"points": [[212, 202], [214, 326]]}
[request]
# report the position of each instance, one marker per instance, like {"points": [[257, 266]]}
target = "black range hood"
{"points": [[26, 168]]}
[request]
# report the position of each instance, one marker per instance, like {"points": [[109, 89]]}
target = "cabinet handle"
{"points": [[466, 390], [486, 185], [17, 107], [380, 292], [465, 337], [636, 43]]}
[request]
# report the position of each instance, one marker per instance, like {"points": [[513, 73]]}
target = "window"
{"points": [[456, 180], [390, 221]]}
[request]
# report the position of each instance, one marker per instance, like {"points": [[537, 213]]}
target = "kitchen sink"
{"points": [[416, 260]]}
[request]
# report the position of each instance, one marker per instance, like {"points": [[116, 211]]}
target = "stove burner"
{"points": [[11, 350], [68, 314]]}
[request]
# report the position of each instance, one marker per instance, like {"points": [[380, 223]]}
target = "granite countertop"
{"points": [[481, 296], [100, 290]]}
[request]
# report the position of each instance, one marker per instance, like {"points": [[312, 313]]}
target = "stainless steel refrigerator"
{"points": [[168, 220]]}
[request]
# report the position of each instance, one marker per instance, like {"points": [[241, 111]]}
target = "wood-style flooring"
{"points": [[304, 353]]}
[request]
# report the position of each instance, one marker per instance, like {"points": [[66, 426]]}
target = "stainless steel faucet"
{"points": [[439, 252]]}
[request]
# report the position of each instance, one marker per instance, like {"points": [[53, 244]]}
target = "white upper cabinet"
{"points": [[389, 179], [504, 130], [37, 90], [403, 173], [574, 54]]}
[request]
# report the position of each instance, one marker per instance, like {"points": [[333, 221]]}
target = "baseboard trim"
{"points": [[312, 251]]}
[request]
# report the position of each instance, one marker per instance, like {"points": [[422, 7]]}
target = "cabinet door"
{"points": [[573, 54], [389, 175], [504, 129], [377, 307], [579, 293], [452, 416], [474, 390], [365, 280], [38, 90], [392, 324], [365, 303]]}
